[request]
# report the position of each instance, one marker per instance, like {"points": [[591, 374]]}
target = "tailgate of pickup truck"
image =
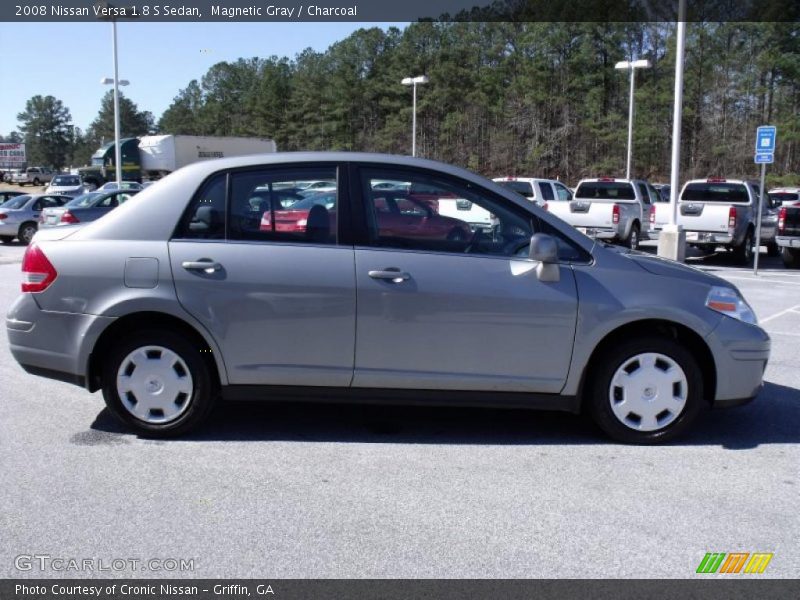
{"points": [[705, 216]]}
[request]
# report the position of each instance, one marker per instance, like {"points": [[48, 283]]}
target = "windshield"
{"points": [[66, 180], [16, 202], [606, 189], [715, 192], [521, 187], [84, 200]]}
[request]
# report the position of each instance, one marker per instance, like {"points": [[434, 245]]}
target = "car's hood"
{"points": [[670, 268]]}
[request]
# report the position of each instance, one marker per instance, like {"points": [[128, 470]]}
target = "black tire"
{"points": [[743, 253], [791, 257], [773, 249], [26, 232], [632, 241], [199, 403], [36, 181], [599, 401], [7, 239]]}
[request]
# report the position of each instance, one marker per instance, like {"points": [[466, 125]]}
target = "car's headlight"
{"points": [[728, 302]]}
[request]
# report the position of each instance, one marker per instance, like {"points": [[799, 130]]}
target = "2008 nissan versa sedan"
{"points": [[180, 299]]}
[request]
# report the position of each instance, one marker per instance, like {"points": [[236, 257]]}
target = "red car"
{"points": [[396, 214]]}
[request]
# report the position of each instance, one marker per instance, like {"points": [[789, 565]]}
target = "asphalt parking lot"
{"points": [[348, 491]]}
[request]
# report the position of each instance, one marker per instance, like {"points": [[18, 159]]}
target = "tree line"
{"points": [[537, 99]]}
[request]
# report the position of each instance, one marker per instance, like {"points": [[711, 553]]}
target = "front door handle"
{"points": [[391, 274], [207, 265]]}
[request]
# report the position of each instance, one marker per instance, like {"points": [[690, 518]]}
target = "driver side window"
{"points": [[417, 211]]}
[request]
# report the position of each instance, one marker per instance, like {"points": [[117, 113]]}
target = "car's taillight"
{"points": [[3, 216], [37, 271], [782, 220], [653, 214], [731, 220], [68, 217], [615, 214]]}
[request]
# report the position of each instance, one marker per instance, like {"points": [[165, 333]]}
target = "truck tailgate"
{"points": [[704, 216], [584, 213], [791, 222]]}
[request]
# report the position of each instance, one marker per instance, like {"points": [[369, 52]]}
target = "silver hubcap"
{"points": [[648, 392], [154, 384], [28, 233]]}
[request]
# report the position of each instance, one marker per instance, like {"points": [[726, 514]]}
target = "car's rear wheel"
{"points": [[646, 390], [632, 241], [743, 253], [791, 257], [158, 383], [26, 232]]}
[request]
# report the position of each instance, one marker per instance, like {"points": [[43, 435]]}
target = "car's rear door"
{"points": [[280, 304], [448, 314]]}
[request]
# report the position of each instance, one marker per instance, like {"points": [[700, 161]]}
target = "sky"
{"points": [[68, 60]]}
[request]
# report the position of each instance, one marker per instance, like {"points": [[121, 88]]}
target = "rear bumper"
{"points": [[788, 242], [709, 237], [51, 344], [9, 228]]}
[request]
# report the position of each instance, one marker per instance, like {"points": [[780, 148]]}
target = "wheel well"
{"points": [[136, 322], [674, 331]]}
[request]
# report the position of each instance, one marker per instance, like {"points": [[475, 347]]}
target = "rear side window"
{"points": [[643, 192], [715, 192], [605, 190], [523, 188], [205, 217], [547, 191], [277, 204]]}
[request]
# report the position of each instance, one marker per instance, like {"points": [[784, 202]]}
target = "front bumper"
{"points": [[52, 344], [788, 242], [741, 353]]}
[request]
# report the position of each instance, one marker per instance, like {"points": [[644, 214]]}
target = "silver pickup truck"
{"points": [[723, 212], [617, 210], [33, 175]]}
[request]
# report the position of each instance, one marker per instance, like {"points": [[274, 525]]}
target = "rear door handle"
{"points": [[391, 274], [209, 266]]}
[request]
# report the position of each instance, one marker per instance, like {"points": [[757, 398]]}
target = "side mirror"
{"points": [[544, 250]]}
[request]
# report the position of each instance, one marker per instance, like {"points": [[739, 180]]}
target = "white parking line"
{"points": [[786, 333], [764, 280], [792, 309]]}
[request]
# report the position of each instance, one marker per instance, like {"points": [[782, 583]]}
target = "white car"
{"points": [[67, 185], [535, 189], [124, 185]]}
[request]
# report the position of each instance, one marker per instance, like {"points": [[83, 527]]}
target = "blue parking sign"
{"points": [[766, 158], [765, 139]]}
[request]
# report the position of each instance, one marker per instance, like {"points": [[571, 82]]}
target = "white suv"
{"points": [[535, 189]]}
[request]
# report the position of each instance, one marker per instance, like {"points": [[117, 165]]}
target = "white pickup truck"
{"points": [[33, 175], [723, 212], [608, 209]]}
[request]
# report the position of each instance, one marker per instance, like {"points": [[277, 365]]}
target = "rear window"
{"points": [[784, 196], [521, 187], [61, 180], [606, 189], [715, 192]]}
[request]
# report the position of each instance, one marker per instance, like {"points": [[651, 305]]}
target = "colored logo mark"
{"points": [[734, 562]]}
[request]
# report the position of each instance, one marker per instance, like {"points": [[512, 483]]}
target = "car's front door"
{"points": [[454, 314], [280, 304]]}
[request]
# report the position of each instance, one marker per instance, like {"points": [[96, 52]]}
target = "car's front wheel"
{"points": [[7, 239], [791, 257], [158, 383], [647, 390]]}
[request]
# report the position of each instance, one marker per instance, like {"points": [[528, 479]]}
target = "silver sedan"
{"points": [[195, 293], [19, 216]]}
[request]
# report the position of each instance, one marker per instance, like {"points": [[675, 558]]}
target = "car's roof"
{"points": [[785, 190], [525, 179], [609, 180], [717, 180]]}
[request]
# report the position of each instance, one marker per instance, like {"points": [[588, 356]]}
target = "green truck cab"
{"points": [[103, 167]]}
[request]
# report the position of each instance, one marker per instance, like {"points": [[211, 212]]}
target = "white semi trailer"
{"points": [[162, 154]]}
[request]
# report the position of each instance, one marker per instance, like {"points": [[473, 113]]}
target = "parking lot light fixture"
{"points": [[413, 81], [631, 66]]}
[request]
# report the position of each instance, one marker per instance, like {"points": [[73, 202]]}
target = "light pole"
{"points": [[631, 66], [117, 82], [413, 81]]}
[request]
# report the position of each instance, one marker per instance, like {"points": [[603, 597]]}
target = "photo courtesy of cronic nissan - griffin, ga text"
{"points": [[336, 276]]}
